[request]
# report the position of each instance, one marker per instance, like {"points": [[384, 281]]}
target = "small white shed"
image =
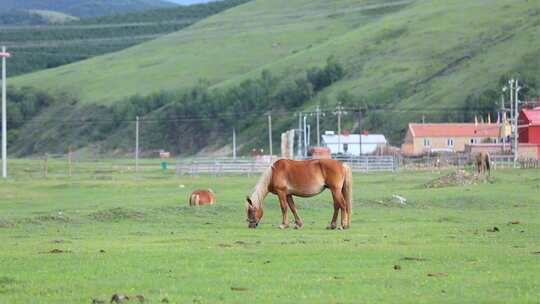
{"points": [[353, 144]]}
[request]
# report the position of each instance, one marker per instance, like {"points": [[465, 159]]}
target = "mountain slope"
{"points": [[84, 8], [219, 48], [408, 45], [403, 59], [46, 45]]}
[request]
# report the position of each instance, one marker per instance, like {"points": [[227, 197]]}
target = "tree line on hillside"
{"points": [[183, 122], [85, 8], [187, 121], [201, 117], [36, 48], [196, 11], [26, 103], [378, 113]]}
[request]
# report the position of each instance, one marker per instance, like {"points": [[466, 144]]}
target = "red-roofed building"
{"points": [[529, 126], [447, 137]]}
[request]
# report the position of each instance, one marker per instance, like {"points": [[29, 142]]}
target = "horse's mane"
{"points": [[261, 188]]}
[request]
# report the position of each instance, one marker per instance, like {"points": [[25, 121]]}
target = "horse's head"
{"points": [[254, 214]]}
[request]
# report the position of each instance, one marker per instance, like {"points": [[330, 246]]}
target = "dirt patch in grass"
{"points": [[116, 214], [6, 281], [5, 223], [55, 217], [414, 259], [456, 178], [41, 219], [6, 284], [437, 274], [57, 251]]}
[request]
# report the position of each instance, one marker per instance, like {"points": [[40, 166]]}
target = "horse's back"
{"points": [[307, 177], [328, 164]]}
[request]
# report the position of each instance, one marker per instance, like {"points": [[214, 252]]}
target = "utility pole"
{"points": [[501, 120], [360, 130], [309, 135], [299, 135], [318, 127], [339, 112], [511, 83], [270, 134], [4, 54], [234, 143], [516, 115], [70, 161], [137, 144], [305, 136]]}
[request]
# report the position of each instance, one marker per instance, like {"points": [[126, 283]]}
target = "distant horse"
{"points": [[202, 197], [307, 178], [483, 164]]}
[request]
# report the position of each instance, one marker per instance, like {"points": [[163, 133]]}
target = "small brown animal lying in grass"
{"points": [[202, 197]]}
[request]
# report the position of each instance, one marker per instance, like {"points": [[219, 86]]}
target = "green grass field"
{"points": [[134, 234]]}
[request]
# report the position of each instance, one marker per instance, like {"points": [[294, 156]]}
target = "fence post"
{"points": [[69, 161], [46, 165], [367, 163]]}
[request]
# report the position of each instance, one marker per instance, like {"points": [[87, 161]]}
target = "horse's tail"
{"points": [[347, 188], [194, 200]]}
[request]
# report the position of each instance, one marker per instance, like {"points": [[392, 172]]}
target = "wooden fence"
{"points": [[371, 163], [223, 166], [502, 161]]}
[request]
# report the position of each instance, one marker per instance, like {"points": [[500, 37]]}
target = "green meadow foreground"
{"points": [[71, 240]]}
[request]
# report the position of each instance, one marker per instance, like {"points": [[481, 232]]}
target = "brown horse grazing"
{"points": [[306, 178], [202, 197], [483, 164]]}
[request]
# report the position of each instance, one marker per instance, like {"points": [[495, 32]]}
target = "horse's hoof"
{"points": [[331, 227], [340, 228], [283, 226], [298, 226]]}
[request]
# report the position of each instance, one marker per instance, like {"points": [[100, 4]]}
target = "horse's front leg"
{"points": [[297, 220], [283, 205]]}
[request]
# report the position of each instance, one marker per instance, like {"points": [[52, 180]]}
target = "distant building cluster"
{"points": [[432, 138]]}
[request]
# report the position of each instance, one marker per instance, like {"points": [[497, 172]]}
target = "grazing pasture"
{"points": [[98, 233]]}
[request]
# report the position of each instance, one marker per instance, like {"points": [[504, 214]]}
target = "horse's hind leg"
{"points": [[333, 224], [297, 219], [339, 199]]}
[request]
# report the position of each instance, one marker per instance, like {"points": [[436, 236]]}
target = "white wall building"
{"points": [[353, 144]]}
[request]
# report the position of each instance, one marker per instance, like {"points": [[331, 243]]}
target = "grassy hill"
{"points": [[218, 49], [407, 58], [43, 39], [84, 8]]}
